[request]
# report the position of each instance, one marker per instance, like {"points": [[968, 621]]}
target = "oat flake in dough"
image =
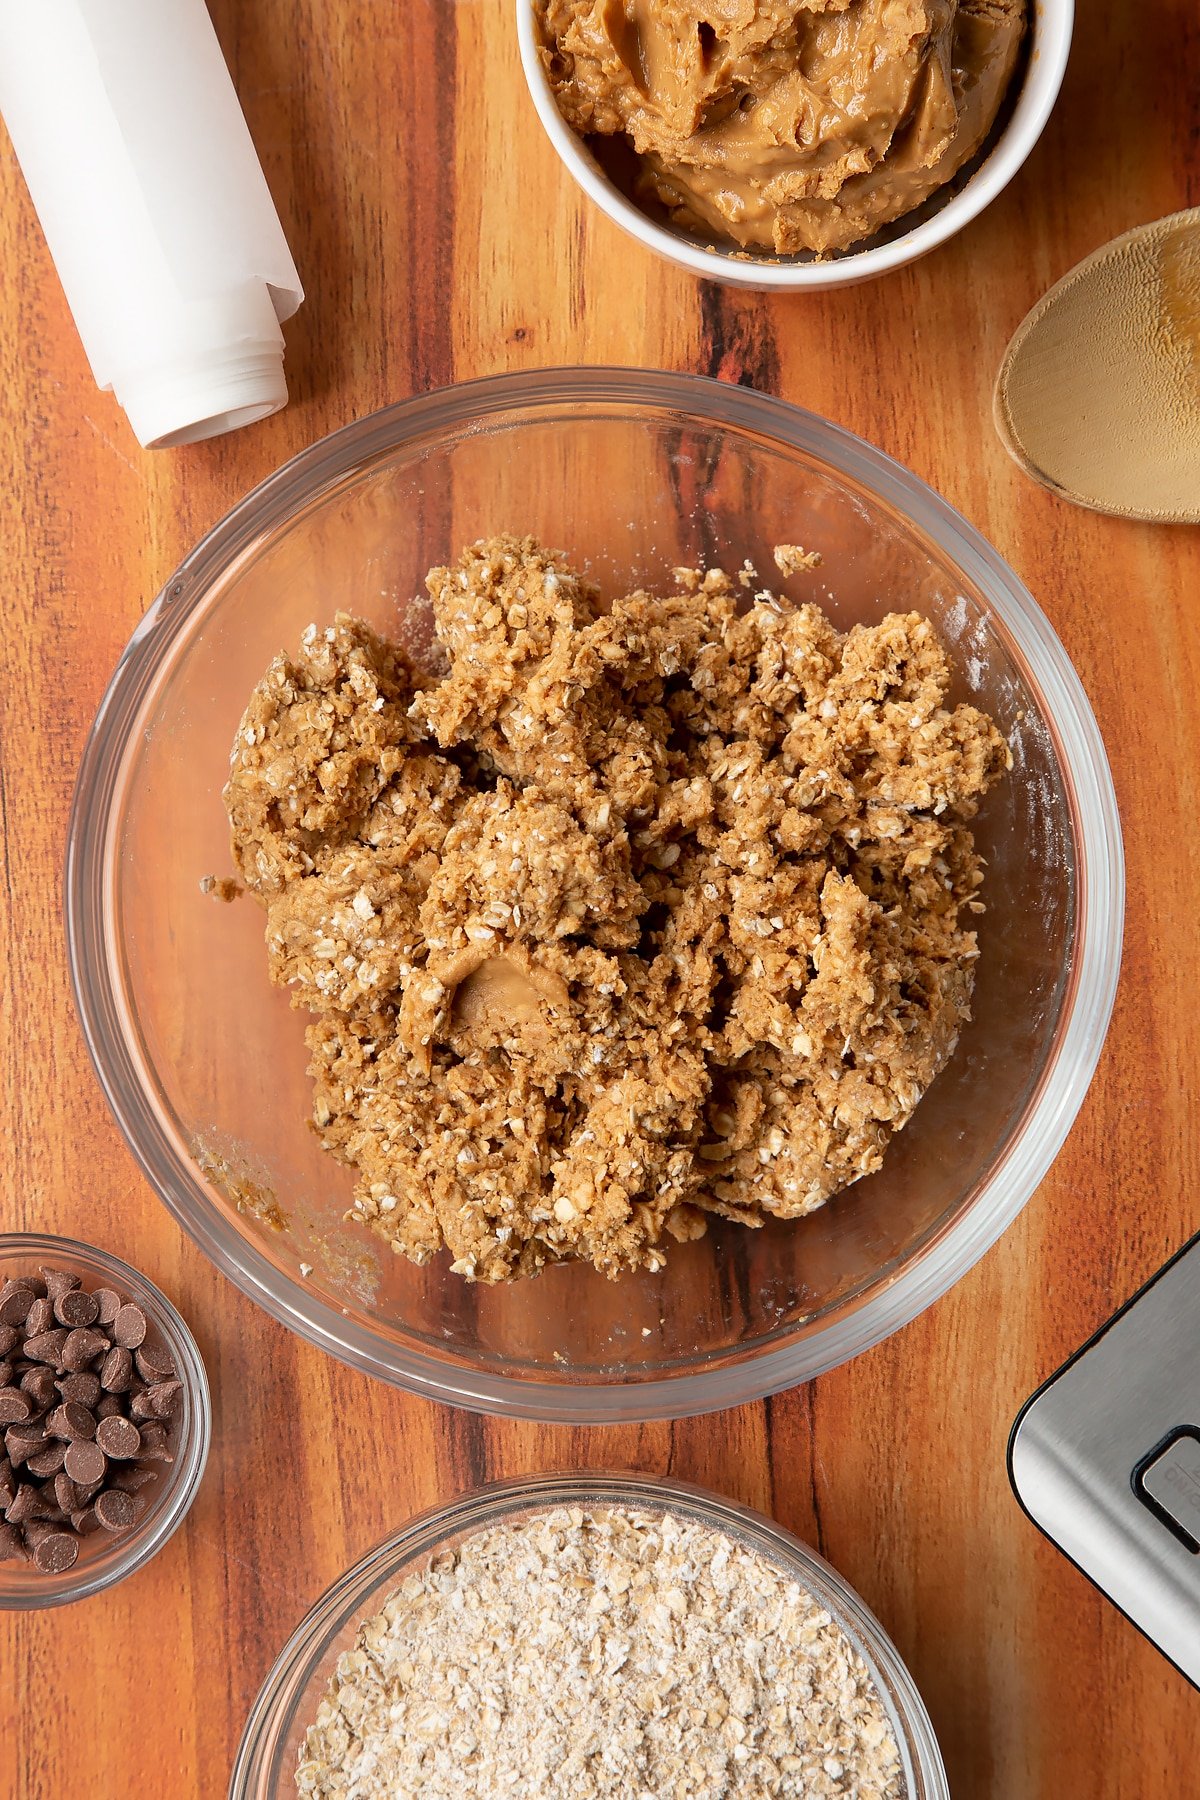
{"points": [[635, 915]]}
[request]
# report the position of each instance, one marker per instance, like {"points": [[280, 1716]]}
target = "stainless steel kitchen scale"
{"points": [[1105, 1459]]}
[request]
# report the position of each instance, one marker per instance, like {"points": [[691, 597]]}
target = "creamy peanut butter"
{"points": [[503, 1004], [786, 125]]}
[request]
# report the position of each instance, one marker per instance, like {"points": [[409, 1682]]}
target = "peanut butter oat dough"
{"points": [[636, 915], [784, 124]]}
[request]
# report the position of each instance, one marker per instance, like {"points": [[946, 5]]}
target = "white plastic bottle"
{"points": [[155, 207]]}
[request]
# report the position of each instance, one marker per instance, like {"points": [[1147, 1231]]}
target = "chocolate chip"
{"points": [[39, 1318], [118, 1438], [84, 1462], [85, 1521], [116, 1371], [129, 1327], [54, 1551], [167, 1395], [84, 1388], [116, 1510], [49, 1499], [12, 1545], [80, 1348], [70, 1420], [10, 1337], [16, 1298], [15, 1407], [22, 1441], [154, 1445], [130, 1478], [158, 1402], [25, 1504], [38, 1383], [47, 1347], [77, 1308], [56, 1282], [8, 1483], [109, 1304], [66, 1493], [110, 1406], [154, 1363], [48, 1461]]}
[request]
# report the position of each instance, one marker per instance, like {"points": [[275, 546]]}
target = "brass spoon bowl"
{"points": [[1098, 396]]}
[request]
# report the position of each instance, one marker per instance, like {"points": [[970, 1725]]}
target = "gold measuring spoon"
{"points": [[1098, 396]]}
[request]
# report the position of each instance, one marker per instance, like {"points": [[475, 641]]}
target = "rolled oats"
{"points": [[601, 1655]]}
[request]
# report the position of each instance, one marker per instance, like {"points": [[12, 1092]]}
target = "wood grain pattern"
{"points": [[439, 239]]}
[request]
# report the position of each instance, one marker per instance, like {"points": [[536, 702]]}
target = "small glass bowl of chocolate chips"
{"points": [[104, 1420]]}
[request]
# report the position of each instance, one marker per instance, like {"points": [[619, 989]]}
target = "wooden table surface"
{"points": [[439, 239]]}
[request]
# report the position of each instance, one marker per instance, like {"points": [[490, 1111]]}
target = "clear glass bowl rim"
{"points": [[1090, 987], [354, 1592], [147, 1537]]}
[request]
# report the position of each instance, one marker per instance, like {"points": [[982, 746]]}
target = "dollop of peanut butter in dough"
{"points": [[639, 913], [784, 125]]}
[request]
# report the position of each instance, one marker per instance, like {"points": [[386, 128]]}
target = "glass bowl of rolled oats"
{"points": [[574, 749], [599, 1635]]}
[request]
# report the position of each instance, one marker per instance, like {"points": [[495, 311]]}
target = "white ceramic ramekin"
{"points": [[938, 220]]}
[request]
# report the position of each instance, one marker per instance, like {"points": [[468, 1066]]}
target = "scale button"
{"points": [[1172, 1481]]}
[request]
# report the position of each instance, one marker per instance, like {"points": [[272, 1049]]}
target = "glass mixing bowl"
{"points": [[288, 1701], [203, 1061]]}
